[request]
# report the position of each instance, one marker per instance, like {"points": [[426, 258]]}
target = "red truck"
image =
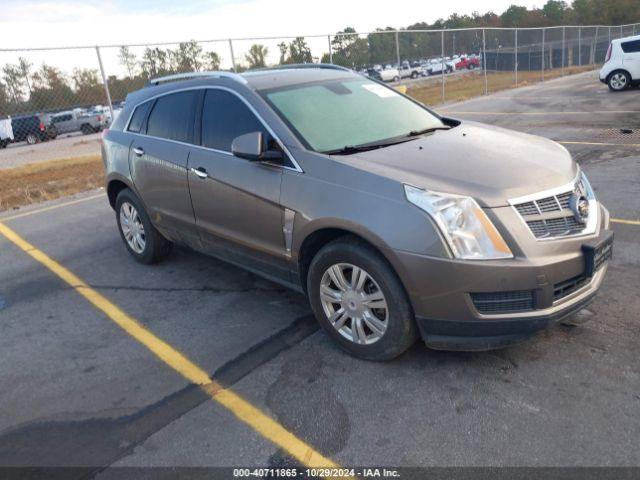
{"points": [[468, 62]]}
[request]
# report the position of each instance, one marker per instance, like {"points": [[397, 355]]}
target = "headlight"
{"points": [[464, 225]]}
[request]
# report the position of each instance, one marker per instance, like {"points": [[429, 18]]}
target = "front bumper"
{"points": [[441, 293]]}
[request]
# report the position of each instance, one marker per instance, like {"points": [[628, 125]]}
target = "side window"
{"points": [[138, 117], [172, 116], [225, 117], [631, 47]]}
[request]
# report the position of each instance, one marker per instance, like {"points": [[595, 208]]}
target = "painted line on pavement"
{"points": [[241, 408], [52, 207], [625, 222], [596, 112]]}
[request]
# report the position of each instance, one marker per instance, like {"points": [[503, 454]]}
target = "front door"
{"points": [[236, 201]]}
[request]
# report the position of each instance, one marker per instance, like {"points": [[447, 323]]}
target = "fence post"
{"points": [[233, 58], [580, 46], [515, 57], [592, 57], [104, 82], [397, 49], [563, 54], [330, 49], [609, 34], [442, 61], [543, 54], [484, 61]]}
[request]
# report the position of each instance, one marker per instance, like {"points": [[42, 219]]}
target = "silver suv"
{"points": [[394, 221]]}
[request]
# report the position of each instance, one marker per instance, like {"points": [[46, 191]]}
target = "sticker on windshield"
{"points": [[379, 90]]}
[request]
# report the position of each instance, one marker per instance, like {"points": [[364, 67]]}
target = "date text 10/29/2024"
{"points": [[315, 473]]}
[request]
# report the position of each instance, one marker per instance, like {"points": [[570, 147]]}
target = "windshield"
{"points": [[334, 114]]}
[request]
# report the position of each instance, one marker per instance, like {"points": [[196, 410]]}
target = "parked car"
{"points": [[78, 121], [394, 221], [389, 74], [467, 62], [437, 65], [622, 64], [32, 128], [6, 132], [410, 70], [373, 73]]}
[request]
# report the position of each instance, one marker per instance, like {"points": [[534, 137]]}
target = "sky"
{"points": [[52, 23]]}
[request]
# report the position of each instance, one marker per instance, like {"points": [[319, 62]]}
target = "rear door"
{"points": [[631, 57], [163, 132], [236, 201]]}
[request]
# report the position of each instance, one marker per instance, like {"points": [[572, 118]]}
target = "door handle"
{"points": [[138, 151], [200, 172]]}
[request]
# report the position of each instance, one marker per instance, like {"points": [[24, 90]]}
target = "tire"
{"points": [[471, 66], [414, 75], [396, 79], [396, 326], [86, 129], [31, 138], [4, 143], [154, 247], [52, 133], [618, 81]]}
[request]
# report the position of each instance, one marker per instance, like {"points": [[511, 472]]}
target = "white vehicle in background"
{"points": [[622, 64], [6, 132], [437, 65], [389, 74]]}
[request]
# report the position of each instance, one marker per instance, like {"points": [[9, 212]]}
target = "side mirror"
{"points": [[251, 146], [248, 146]]}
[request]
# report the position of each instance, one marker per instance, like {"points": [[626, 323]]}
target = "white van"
{"points": [[622, 63]]}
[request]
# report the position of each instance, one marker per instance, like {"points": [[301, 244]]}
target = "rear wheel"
{"points": [[31, 139], [396, 79], [359, 300], [414, 75], [86, 129], [618, 81], [4, 143], [140, 237]]}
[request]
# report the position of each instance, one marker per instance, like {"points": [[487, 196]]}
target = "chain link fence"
{"points": [[51, 91]]}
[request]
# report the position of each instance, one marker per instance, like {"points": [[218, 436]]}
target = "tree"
{"points": [[127, 60], [25, 68], [284, 49], [87, 86], [211, 60], [256, 57], [554, 11], [13, 78], [187, 57], [156, 62], [299, 51], [514, 16]]}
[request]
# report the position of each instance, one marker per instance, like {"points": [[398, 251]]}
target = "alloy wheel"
{"points": [[132, 227], [618, 81], [354, 303]]}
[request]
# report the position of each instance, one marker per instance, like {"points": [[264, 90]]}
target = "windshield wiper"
{"points": [[416, 133], [365, 147]]}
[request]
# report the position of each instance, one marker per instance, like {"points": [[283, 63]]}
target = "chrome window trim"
{"points": [[296, 166], [590, 226]]}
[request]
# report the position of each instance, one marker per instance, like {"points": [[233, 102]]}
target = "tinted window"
{"points": [[172, 116], [138, 117], [631, 47], [225, 117]]}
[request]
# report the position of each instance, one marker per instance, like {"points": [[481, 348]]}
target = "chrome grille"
{"points": [[551, 216]]}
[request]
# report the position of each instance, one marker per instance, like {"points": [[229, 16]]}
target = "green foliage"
{"points": [[256, 57]]}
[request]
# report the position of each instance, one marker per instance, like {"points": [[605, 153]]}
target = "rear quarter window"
{"points": [[631, 47], [138, 117]]}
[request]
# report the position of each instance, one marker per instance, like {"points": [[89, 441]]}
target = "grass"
{"points": [[466, 86], [37, 182]]}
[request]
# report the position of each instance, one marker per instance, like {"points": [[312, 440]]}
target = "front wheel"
{"points": [[396, 79], [145, 244], [31, 139], [359, 300], [618, 81]]}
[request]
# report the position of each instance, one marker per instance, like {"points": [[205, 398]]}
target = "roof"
{"points": [[293, 75]]}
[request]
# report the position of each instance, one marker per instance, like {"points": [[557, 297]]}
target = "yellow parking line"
{"points": [[626, 222], [242, 409], [52, 207], [597, 112]]}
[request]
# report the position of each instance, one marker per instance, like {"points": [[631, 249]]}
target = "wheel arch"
{"points": [[618, 70], [314, 239], [114, 186]]}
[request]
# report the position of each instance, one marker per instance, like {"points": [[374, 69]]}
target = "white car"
{"points": [[389, 75], [622, 64], [435, 66]]}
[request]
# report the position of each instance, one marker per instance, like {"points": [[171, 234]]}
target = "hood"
{"points": [[488, 163]]}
